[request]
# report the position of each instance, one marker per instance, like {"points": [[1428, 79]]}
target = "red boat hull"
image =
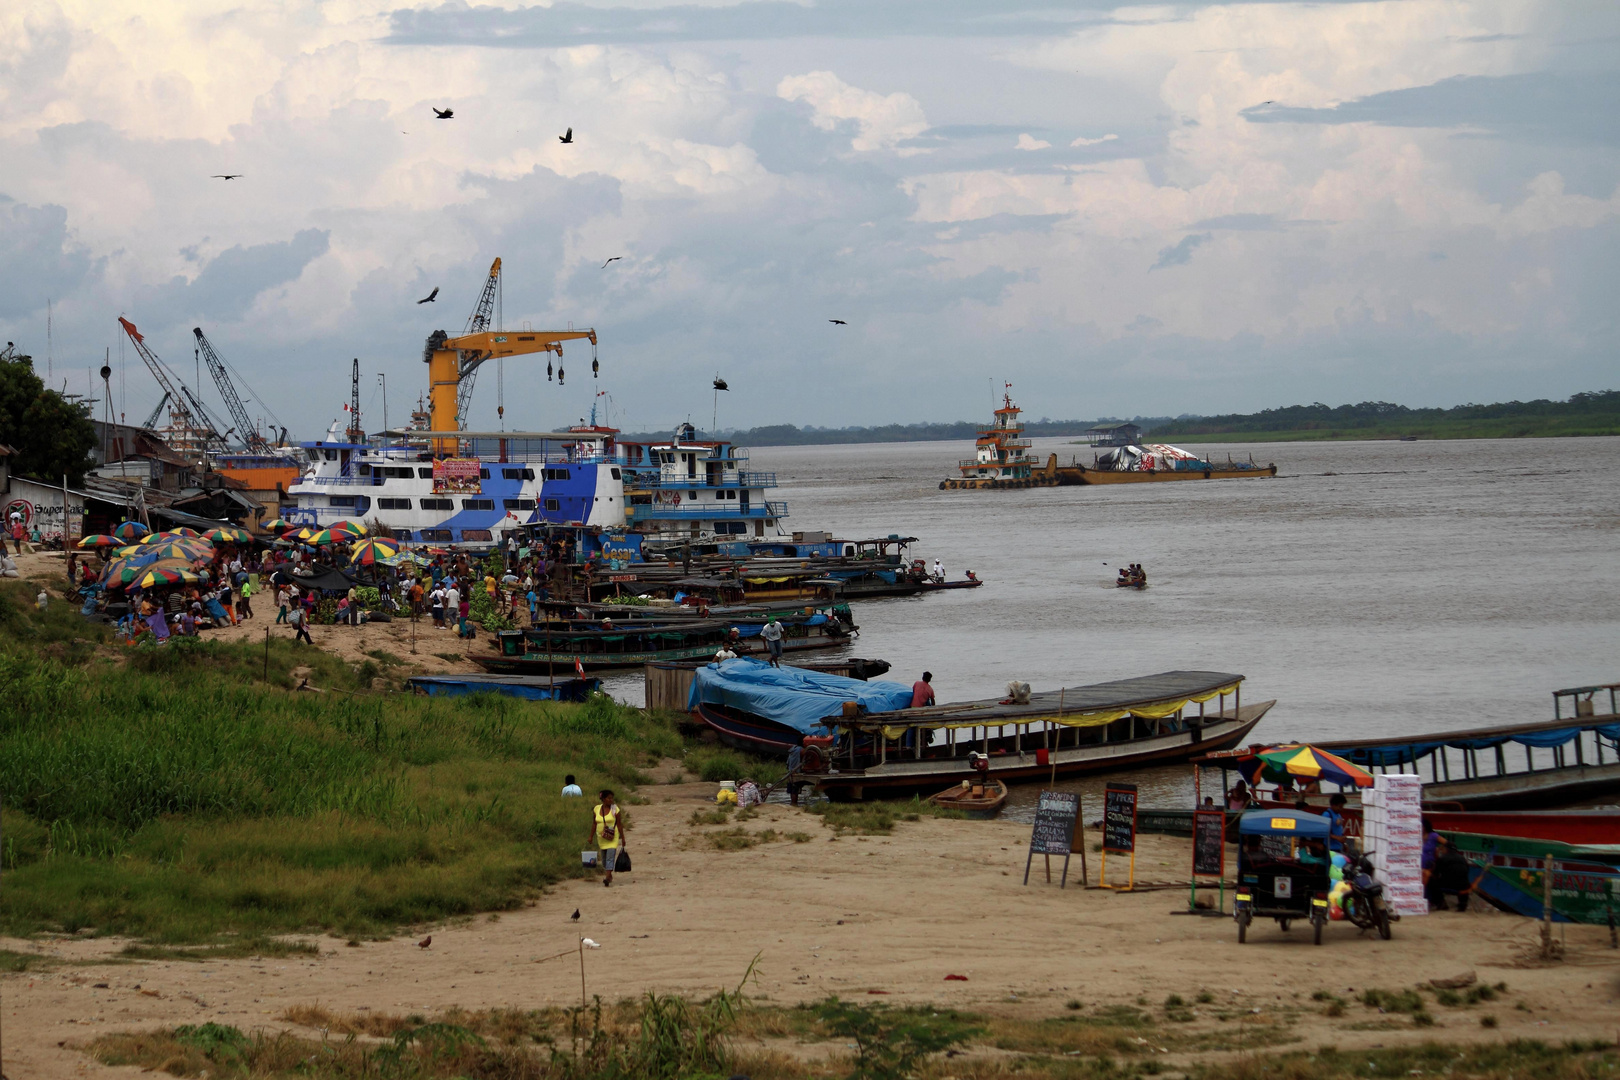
{"points": [[1565, 826]]}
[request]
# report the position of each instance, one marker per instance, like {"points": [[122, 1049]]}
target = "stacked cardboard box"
{"points": [[1392, 830]]}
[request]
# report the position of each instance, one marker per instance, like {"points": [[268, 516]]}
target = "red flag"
{"points": [[579, 668], [129, 328]]}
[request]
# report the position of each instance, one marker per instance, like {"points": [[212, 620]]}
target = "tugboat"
{"points": [[1001, 456]]}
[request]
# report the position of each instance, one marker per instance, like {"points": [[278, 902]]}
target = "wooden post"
{"points": [[581, 977], [1080, 823], [1546, 907]]}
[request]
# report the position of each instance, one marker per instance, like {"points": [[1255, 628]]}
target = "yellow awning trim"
{"points": [[1156, 711]]}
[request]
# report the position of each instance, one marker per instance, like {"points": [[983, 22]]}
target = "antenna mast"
{"points": [[357, 431]]}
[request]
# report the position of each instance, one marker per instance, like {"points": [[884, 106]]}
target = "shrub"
{"points": [[889, 1043]]}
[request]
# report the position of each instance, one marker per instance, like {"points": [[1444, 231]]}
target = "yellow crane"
{"points": [[453, 361]]}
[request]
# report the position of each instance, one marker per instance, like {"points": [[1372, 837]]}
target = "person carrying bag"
{"points": [[608, 827]]}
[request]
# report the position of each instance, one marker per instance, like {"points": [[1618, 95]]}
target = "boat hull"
{"points": [[905, 777], [958, 799], [1510, 872], [1524, 791], [1069, 475], [1564, 826], [977, 483], [539, 662], [516, 686], [748, 731]]}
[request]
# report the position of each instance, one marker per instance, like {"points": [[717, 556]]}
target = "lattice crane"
{"points": [[245, 429], [192, 414], [488, 308]]}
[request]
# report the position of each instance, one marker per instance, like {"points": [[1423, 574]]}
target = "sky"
{"points": [[1120, 210]]}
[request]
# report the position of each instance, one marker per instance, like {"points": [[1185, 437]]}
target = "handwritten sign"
{"points": [[1209, 843], [1119, 818], [1055, 815]]}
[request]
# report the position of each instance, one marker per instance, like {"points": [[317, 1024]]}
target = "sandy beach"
{"points": [[879, 918]]}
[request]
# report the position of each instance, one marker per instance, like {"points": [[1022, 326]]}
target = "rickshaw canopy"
{"points": [[1284, 823]]}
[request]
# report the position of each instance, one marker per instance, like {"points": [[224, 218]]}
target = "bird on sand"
{"points": [[425, 942], [430, 297], [838, 322], [615, 259], [225, 176], [568, 138], [575, 915], [443, 114]]}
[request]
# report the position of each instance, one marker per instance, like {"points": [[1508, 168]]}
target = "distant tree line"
{"points": [[790, 435], [1381, 414]]}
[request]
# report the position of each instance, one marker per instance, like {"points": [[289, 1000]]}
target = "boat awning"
{"points": [[1148, 696], [1401, 753], [796, 698]]}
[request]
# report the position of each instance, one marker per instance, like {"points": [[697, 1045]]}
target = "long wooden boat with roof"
{"points": [[1105, 727]]}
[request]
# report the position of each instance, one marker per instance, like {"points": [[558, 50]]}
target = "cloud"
{"points": [[1083, 141], [1542, 106], [1180, 254], [227, 286], [881, 121], [1026, 141], [38, 259], [1245, 222]]}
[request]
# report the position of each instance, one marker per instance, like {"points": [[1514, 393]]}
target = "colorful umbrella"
{"points": [[185, 550], [162, 537], [277, 525], [370, 552], [1303, 763], [130, 549], [128, 571], [358, 529], [169, 575], [229, 535], [95, 540], [130, 530]]}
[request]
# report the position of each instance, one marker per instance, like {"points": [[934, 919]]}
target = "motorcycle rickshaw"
{"points": [[1283, 866]]}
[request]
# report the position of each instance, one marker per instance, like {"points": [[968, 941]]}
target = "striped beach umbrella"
{"points": [[169, 575], [229, 535], [373, 551], [355, 529], [95, 540], [277, 525], [185, 550], [1302, 762], [130, 530]]}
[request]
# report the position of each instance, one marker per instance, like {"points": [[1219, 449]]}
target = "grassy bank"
{"points": [[187, 792], [670, 1037]]}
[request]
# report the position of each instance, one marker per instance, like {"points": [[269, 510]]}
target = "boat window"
{"points": [[340, 500], [517, 504], [401, 534], [402, 473], [329, 455], [364, 470], [478, 504], [442, 535], [553, 504], [436, 504], [511, 474], [475, 534], [556, 474], [528, 474], [393, 504], [617, 475], [483, 474], [424, 472]]}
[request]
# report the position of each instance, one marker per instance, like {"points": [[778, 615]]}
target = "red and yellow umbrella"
{"points": [[130, 530], [1300, 762], [277, 525], [185, 550], [229, 535], [169, 575], [95, 540], [356, 528]]}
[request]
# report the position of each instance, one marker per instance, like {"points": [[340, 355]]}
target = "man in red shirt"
{"points": [[922, 691]]}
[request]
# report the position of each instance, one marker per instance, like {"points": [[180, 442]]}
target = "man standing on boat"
{"points": [[939, 571], [922, 691], [772, 636]]}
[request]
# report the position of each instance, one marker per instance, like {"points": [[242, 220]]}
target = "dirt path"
{"points": [[895, 914]]}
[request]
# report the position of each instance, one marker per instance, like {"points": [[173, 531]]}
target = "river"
{"points": [[1371, 588]]}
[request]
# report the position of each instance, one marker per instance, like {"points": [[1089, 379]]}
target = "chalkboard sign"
{"points": [[1055, 815], [1209, 843], [1119, 818]]}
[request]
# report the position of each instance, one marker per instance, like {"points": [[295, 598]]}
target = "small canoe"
{"points": [[964, 583], [1130, 584], [975, 799]]}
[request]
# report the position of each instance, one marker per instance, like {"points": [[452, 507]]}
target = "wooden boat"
{"points": [[1106, 727], [1577, 827], [668, 684], [936, 586], [1130, 584], [770, 710], [976, 799], [519, 686], [539, 652], [1076, 473], [1510, 767], [1510, 872]]}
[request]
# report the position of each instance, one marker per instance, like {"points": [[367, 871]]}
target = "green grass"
{"points": [[178, 797], [876, 818], [235, 949]]}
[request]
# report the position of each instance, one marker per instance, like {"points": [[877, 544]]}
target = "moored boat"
{"points": [[1510, 872], [766, 709], [539, 651], [1001, 457], [518, 686], [1105, 727], [975, 798]]}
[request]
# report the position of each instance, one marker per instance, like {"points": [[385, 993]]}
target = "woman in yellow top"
{"points": [[608, 826]]}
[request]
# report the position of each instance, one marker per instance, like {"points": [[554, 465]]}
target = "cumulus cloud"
{"points": [[881, 121], [1180, 254], [1083, 141], [1026, 141]]}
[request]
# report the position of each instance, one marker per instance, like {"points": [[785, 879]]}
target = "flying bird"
{"points": [[225, 176], [720, 384], [430, 297], [444, 114], [568, 138], [615, 259], [838, 322], [425, 942], [575, 915]]}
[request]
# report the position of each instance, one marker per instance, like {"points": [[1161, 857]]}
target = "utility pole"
{"points": [[382, 377], [357, 433]]}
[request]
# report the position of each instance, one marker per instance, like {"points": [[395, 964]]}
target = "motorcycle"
{"points": [[1364, 905]]}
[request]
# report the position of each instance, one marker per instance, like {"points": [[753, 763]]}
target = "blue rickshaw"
{"points": [[1283, 864]]}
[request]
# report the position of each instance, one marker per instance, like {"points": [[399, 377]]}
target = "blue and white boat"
{"points": [[499, 482]]}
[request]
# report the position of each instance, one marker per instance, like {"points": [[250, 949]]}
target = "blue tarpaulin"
{"points": [[794, 697], [1401, 753]]}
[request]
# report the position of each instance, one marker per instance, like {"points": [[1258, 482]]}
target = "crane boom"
{"points": [[193, 415], [216, 367], [452, 359], [477, 323], [157, 413]]}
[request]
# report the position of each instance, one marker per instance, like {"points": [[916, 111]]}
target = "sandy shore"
{"points": [[849, 916]]}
